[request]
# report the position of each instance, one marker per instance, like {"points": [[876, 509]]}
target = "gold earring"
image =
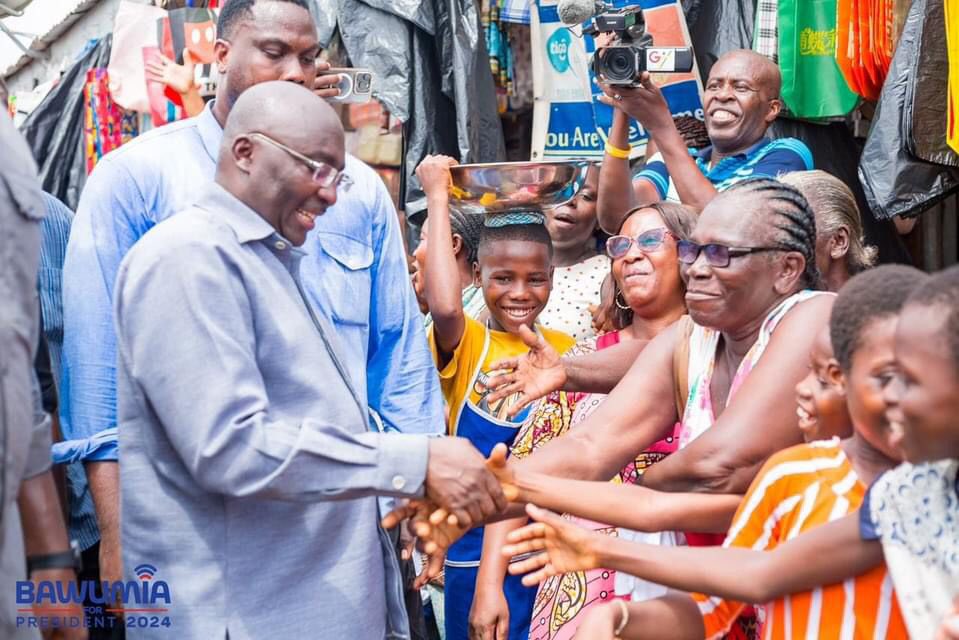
{"points": [[623, 306]]}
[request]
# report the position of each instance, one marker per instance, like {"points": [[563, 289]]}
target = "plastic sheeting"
{"points": [[432, 72], [927, 95], [895, 182], [54, 130]]}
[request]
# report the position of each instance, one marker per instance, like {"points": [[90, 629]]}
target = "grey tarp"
{"points": [[54, 130], [895, 182], [432, 72]]}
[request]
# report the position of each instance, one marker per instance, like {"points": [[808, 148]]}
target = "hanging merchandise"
{"points": [[568, 119], [952, 43], [105, 125], [865, 35], [894, 181], [927, 95], [54, 129], [766, 31], [500, 52], [812, 84], [134, 25]]}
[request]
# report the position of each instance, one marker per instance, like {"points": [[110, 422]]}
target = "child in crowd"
{"points": [[821, 395], [800, 488], [465, 229], [579, 267], [514, 270]]}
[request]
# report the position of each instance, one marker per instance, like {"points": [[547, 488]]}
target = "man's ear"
{"points": [[477, 276], [775, 107], [221, 54], [243, 153], [793, 266]]}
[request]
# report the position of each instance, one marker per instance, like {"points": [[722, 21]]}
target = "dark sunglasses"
{"points": [[647, 242], [717, 255]]}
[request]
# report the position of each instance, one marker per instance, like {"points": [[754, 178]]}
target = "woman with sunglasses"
{"points": [[648, 297]]}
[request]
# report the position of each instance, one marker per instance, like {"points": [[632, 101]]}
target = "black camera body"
{"points": [[632, 51]]}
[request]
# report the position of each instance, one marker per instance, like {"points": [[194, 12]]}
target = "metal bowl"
{"points": [[503, 187]]}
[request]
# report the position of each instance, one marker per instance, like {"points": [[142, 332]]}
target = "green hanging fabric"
{"points": [[813, 85]]}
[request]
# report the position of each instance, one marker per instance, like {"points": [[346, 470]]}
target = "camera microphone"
{"points": [[574, 12]]}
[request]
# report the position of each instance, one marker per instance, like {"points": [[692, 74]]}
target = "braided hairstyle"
{"points": [[468, 227], [789, 212]]}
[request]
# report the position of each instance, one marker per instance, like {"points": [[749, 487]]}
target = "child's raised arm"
{"points": [[443, 293]]}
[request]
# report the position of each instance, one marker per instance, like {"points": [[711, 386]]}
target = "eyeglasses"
{"points": [[323, 174], [647, 242], [717, 255]]}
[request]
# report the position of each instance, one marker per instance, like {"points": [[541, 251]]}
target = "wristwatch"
{"points": [[69, 559]]}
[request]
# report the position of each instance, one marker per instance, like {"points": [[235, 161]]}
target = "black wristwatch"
{"points": [[69, 559]]}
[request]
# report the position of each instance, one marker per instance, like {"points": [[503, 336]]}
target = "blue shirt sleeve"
{"points": [[110, 218], [655, 171], [785, 155], [402, 385]]}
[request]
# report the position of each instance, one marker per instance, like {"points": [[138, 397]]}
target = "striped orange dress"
{"points": [[800, 488]]}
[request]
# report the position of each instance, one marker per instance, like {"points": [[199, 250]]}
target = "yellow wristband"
{"points": [[616, 152]]}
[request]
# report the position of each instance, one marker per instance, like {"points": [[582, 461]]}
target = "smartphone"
{"points": [[356, 85]]}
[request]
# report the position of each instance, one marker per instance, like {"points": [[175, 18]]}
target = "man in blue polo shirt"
{"points": [[740, 101]]}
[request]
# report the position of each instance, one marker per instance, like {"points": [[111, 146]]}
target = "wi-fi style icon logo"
{"points": [[145, 571]]}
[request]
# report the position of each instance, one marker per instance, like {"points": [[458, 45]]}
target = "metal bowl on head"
{"points": [[505, 187]]}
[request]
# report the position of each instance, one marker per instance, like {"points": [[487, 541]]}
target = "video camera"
{"points": [[632, 51]]}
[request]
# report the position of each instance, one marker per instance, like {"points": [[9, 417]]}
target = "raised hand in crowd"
{"points": [[644, 103], [563, 547], [326, 85], [532, 375], [180, 78]]}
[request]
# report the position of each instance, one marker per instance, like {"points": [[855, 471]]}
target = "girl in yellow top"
{"points": [[514, 270]]}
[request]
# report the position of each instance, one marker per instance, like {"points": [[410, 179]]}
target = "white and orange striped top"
{"points": [[800, 488]]}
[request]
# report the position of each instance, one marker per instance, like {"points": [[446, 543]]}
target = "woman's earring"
{"points": [[623, 305]]}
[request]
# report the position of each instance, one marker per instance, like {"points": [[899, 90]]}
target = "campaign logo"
{"points": [[143, 602], [557, 49]]}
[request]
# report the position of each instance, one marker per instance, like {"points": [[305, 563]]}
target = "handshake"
{"points": [[463, 490]]}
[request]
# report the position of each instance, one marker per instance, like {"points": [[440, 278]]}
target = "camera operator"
{"points": [[740, 101]]}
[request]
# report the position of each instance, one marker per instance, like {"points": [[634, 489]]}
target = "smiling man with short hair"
{"points": [[740, 101]]}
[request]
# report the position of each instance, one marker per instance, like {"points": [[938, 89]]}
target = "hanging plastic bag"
{"points": [[813, 86], [927, 95]]}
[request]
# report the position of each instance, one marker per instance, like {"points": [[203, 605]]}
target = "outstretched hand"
{"points": [[564, 546], [532, 375], [645, 103]]}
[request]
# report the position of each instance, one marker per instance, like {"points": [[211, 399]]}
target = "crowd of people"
{"points": [[685, 404]]}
